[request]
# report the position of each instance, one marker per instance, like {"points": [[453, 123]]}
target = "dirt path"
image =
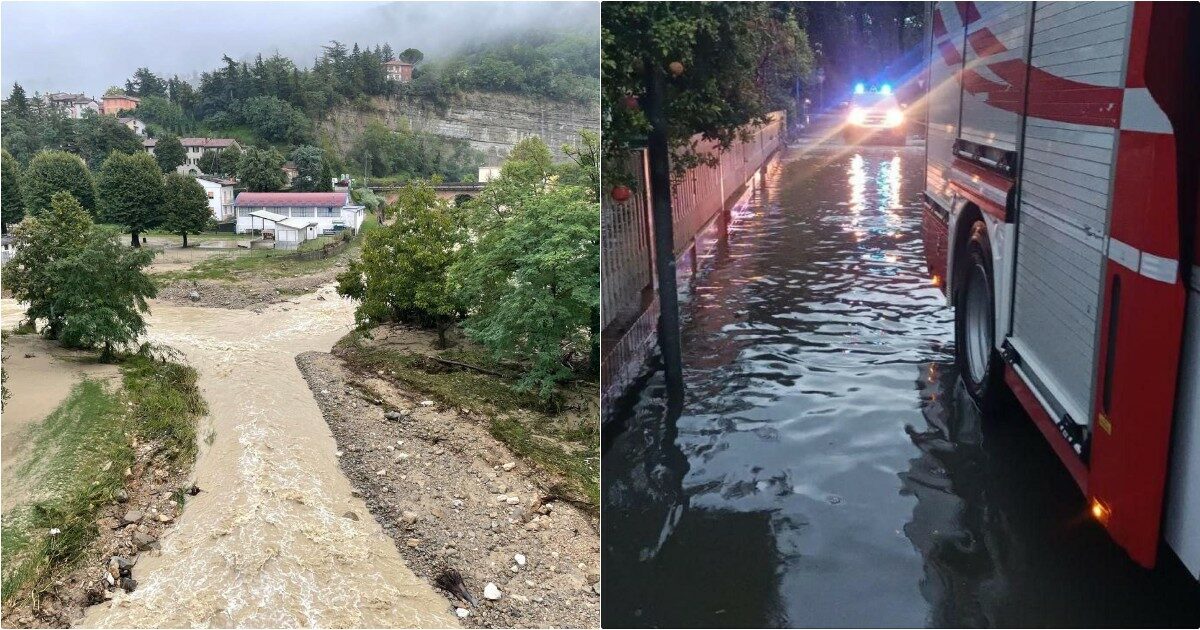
{"points": [[40, 376], [275, 539]]}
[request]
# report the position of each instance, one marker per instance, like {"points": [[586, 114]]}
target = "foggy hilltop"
{"points": [[42, 40]]}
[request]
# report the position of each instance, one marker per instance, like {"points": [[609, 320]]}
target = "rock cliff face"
{"points": [[491, 122]]}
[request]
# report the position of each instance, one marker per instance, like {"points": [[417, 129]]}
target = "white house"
{"points": [[331, 212], [74, 105], [137, 126], [220, 195], [287, 233], [194, 148]]}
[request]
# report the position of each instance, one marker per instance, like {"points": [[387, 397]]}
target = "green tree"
{"points": [[261, 170], [50, 172], [145, 83], [17, 102], [88, 289], [726, 66], [584, 168], [309, 161], [42, 241], [185, 206], [403, 272], [12, 208], [531, 281], [411, 55], [129, 192], [169, 153], [101, 292], [98, 136]]}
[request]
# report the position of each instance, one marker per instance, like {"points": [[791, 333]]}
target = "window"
{"points": [[329, 212], [304, 212], [243, 212], [210, 194]]}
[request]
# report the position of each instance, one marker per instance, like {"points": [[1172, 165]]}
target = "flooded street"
{"points": [[275, 538], [825, 469]]}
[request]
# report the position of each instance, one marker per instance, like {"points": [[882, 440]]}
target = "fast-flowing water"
{"points": [[269, 541], [825, 468]]}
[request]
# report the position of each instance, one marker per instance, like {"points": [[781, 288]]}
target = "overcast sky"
{"points": [[88, 46]]}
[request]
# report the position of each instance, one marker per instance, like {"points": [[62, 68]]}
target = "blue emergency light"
{"points": [[860, 88], [885, 89]]}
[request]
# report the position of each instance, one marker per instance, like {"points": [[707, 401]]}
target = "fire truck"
{"points": [[1060, 219]]}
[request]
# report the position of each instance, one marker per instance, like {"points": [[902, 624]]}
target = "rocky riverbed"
{"points": [[453, 497]]}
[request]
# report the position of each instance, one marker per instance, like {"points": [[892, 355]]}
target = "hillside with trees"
{"points": [[276, 103]]}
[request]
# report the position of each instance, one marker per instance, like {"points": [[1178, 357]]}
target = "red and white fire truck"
{"points": [[1060, 219]]}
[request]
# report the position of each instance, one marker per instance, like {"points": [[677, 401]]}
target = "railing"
{"points": [[627, 305]]}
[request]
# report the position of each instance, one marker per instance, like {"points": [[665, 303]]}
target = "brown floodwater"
{"points": [[269, 542], [825, 468]]}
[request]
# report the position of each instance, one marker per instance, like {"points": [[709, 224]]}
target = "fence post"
{"points": [[664, 236]]}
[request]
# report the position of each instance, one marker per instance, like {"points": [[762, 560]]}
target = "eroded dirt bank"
{"points": [[276, 538], [452, 496]]}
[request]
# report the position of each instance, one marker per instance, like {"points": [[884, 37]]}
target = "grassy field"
{"points": [[268, 263], [561, 434], [82, 450]]}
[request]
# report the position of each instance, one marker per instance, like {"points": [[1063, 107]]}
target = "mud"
{"points": [[269, 543], [451, 495], [40, 376]]}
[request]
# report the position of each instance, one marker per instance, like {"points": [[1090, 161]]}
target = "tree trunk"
{"points": [[664, 237], [185, 239], [135, 241], [441, 329]]}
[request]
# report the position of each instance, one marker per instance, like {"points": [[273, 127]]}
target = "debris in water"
{"points": [[451, 581]]}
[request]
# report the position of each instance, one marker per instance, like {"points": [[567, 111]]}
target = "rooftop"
{"points": [[124, 96], [286, 199], [297, 224], [208, 143]]}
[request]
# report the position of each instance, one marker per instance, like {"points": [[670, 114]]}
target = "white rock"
{"points": [[520, 559], [427, 403], [491, 591], [462, 613], [509, 466], [381, 472], [512, 500]]}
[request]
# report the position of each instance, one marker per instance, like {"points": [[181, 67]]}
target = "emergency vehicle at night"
{"points": [[1060, 220]]}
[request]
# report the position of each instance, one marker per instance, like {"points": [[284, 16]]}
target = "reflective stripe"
{"points": [[1159, 268], [1149, 265], [1125, 255]]}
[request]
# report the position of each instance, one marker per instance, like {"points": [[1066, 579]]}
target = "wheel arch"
{"points": [[960, 234]]}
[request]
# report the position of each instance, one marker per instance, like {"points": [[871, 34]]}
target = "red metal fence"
{"points": [[628, 308]]}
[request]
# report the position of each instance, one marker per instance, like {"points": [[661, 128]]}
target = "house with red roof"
{"points": [[291, 218]]}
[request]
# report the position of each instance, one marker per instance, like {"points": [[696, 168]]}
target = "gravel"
{"points": [[436, 502]]}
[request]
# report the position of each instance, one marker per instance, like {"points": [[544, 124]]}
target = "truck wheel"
{"points": [[975, 320]]}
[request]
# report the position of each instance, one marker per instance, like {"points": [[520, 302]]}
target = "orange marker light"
{"points": [[1100, 512], [937, 281]]}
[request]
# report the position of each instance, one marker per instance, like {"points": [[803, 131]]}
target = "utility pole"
{"points": [[664, 234]]}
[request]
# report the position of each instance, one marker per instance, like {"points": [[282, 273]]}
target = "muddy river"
{"points": [[275, 539], [825, 468]]}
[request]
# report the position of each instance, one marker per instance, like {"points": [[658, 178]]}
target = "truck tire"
{"points": [[979, 365]]}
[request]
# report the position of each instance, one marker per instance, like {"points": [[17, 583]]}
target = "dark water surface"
{"points": [[826, 470]]}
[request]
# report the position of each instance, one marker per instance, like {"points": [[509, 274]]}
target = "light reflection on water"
{"points": [[825, 469]]}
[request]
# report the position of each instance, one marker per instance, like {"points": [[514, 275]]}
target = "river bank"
{"points": [[453, 496]]}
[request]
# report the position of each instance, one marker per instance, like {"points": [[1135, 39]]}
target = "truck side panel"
{"points": [[1066, 180]]}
